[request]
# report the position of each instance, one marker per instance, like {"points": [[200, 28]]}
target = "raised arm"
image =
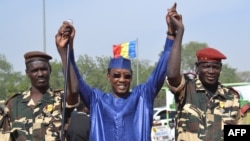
{"points": [[65, 36], [174, 40], [176, 27]]}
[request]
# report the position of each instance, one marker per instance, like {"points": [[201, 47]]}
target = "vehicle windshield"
{"points": [[163, 114]]}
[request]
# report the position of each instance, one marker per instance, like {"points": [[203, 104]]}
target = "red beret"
{"points": [[36, 55], [209, 54]]}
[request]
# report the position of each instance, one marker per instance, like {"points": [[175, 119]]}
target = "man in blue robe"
{"points": [[121, 115]]}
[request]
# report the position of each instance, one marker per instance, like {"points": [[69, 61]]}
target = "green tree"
{"points": [[244, 76], [94, 71], [143, 72], [160, 99], [56, 77], [9, 80], [189, 55], [228, 75]]}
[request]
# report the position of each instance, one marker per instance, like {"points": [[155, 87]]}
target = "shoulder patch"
{"points": [[235, 92], [57, 90]]}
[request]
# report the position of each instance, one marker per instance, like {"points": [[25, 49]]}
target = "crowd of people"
{"points": [[204, 105]]}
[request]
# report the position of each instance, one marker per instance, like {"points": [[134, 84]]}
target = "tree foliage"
{"points": [[244, 76], [10, 81], [94, 72], [189, 55], [228, 75], [56, 77]]}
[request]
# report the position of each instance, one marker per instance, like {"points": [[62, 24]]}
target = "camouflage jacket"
{"points": [[201, 116], [34, 122]]}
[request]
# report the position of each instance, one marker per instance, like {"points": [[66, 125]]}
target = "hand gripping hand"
{"points": [[65, 35]]}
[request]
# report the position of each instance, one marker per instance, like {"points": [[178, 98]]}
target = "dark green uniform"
{"points": [[201, 116], [35, 122]]}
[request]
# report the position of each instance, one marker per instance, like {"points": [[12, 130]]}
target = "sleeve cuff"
{"points": [[178, 88], [73, 106]]}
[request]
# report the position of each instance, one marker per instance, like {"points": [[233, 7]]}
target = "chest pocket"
{"points": [[204, 117], [192, 116], [35, 121]]}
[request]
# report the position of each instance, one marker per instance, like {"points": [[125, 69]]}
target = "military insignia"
{"points": [[48, 109], [222, 106]]}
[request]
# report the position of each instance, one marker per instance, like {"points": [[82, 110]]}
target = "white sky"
{"points": [[222, 24]]}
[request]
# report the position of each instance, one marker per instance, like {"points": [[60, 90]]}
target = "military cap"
{"points": [[209, 54], [36, 56], [120, 63]]}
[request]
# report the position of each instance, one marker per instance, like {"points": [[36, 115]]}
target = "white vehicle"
{"points": [[162, 116]]}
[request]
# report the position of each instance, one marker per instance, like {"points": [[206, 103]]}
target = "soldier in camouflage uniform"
{"points": [[36, 114], [203, 104]]}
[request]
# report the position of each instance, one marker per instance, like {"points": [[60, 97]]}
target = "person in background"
{"points": [[122, 114], [171, 130], [36, 114], [204, 105], [79, 124]]}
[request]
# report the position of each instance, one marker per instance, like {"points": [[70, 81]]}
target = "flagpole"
{"points": [[137, 61], [44, 28]]}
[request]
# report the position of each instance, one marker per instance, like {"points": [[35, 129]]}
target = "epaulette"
{"points": [[235, 92], [190, 75], [57, 90], [16, 94]]}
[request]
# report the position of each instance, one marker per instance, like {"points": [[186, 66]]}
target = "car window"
{"points": [[172, 114], [163, 115]]}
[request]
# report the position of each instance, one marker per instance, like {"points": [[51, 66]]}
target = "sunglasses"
{"points": [[118, 75]]}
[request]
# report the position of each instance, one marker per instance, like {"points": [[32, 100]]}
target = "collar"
{"points": [[27, 95], [221, 90]]}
